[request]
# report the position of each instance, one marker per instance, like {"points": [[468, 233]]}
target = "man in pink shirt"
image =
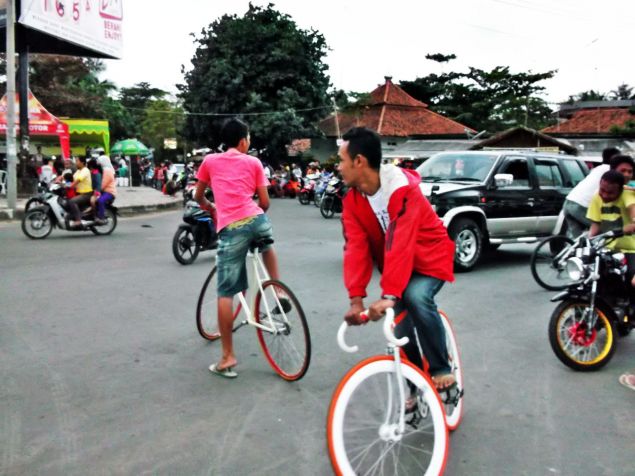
{"points": [[234, 177]]}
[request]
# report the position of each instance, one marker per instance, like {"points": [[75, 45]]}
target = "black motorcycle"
{"points": [[198, 233], [595, 308], [331, 202]]}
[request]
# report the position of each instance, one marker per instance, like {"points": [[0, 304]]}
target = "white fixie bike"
{"points": [[279, 320], [386, 417]]}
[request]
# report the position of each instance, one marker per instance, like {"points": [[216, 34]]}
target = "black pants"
{"points": [[76, 202]]}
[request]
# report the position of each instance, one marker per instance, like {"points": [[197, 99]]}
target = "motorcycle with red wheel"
{"points": [[596, 307]]}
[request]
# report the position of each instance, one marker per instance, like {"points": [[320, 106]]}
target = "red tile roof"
{"points": [[393, 112], [592, 121]]}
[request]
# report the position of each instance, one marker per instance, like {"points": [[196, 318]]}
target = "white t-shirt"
{"points": [[46, 174], [379, 204], [583, 192]]}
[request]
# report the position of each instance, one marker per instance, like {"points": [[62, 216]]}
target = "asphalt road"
{"points": [[102, 370]]}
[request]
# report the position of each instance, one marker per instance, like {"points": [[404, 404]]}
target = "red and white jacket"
{"points": [[415, 240]]}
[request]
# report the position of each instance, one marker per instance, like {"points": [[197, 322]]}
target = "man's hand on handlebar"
{"points": [[377, 309], [352, 316]]}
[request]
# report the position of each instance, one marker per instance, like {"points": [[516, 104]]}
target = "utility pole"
{"points": [[12, 170]]}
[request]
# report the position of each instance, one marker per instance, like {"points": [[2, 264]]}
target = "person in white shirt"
{"points": [[578, 199], [46, 172]]}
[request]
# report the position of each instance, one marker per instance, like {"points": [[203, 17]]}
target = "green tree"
{"points": [[135, 100], [258, 63], [589, 95], [623, 91], [162, 120], [492, 100]]}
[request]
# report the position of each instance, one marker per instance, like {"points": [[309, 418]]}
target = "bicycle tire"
{"points": [[293, 336], [357, 415], [206, 313], [549, 275], [453, 411]]}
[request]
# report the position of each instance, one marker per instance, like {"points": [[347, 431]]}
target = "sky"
{"points": [[589, 42]]}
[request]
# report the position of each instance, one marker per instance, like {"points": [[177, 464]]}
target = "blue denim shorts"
{"points": [[233, 245]]}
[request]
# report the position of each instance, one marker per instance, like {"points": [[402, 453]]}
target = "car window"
{"points": [[457, 166], [516, 166], [574, 168], [549, 174]]}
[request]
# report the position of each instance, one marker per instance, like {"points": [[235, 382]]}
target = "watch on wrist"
{"points": [[390, 297]]}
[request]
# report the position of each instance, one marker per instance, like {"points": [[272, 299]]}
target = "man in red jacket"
{"points": [[387, 219]]}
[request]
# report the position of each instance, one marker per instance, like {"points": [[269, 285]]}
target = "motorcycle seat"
{"points": [[259, 244]]}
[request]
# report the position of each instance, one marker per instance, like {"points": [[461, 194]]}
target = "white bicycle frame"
{"points": [[260, 275], [387, 429]]}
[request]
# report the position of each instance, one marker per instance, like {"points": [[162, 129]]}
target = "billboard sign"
{"points": [[92, 24]]}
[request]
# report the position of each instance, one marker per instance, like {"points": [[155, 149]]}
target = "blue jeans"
{"points": [[233, 245], [423, 325]]}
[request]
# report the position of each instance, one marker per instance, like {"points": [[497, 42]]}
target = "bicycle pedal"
{"points": [[451, 396]]}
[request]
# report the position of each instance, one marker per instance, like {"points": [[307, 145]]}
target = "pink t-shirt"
{"points": [[234, 177]]}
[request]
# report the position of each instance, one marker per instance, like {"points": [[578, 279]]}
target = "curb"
{"points": [[7, 214]]}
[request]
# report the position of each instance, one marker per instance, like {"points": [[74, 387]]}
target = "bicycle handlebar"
{"points": [[387, 328]]}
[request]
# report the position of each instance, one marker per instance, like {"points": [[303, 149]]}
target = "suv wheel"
{"points": [[468, 239]]}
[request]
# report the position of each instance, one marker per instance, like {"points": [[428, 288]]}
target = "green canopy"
{"points": [[88, 132], [129, 147]]}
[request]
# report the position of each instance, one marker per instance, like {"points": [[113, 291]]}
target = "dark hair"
{"points": [[366, 142], [82, 159], [608, 153], [613, 177], [94, 165], [68, 177], [233, 131], [616, 160]]}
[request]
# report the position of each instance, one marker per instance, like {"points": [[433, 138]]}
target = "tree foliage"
{"points": [[258, 63], [135, 100], [492, 100], [162, 120]]}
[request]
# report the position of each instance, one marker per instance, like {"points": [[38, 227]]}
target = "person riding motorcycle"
{"points": [[611, 208], [82, 182]]}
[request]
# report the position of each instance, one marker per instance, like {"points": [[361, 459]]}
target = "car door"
{"points": [[510, 210], [550, 194]]}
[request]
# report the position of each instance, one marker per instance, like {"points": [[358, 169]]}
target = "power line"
{"points": [[224, 114]]}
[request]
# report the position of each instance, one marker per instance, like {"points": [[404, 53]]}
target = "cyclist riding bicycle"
{"points": [[387, 219], [235, 177]]}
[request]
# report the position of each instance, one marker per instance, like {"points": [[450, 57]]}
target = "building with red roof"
{"points": [[395, 115], [588, 125]]}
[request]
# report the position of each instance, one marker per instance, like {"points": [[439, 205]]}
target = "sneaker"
{"points": [[100, 221]]}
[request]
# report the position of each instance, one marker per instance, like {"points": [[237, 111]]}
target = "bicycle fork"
{"points": [[389, 431]]}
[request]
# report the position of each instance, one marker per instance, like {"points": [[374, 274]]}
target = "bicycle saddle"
{"points": [[259, 244]]}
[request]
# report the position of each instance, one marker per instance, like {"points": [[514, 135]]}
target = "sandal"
{"points": [[227, 372], [437, 384], [628, 380]]}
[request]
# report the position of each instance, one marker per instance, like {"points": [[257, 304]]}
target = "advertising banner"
{"points": [[92, 24]]}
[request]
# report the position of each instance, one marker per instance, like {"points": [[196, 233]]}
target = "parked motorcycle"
{"points": [[595, 308], [197, 233], [38, 221], [331, 202]]}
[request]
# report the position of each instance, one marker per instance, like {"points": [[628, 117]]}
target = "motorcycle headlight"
{"points": [[575, 269]]}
